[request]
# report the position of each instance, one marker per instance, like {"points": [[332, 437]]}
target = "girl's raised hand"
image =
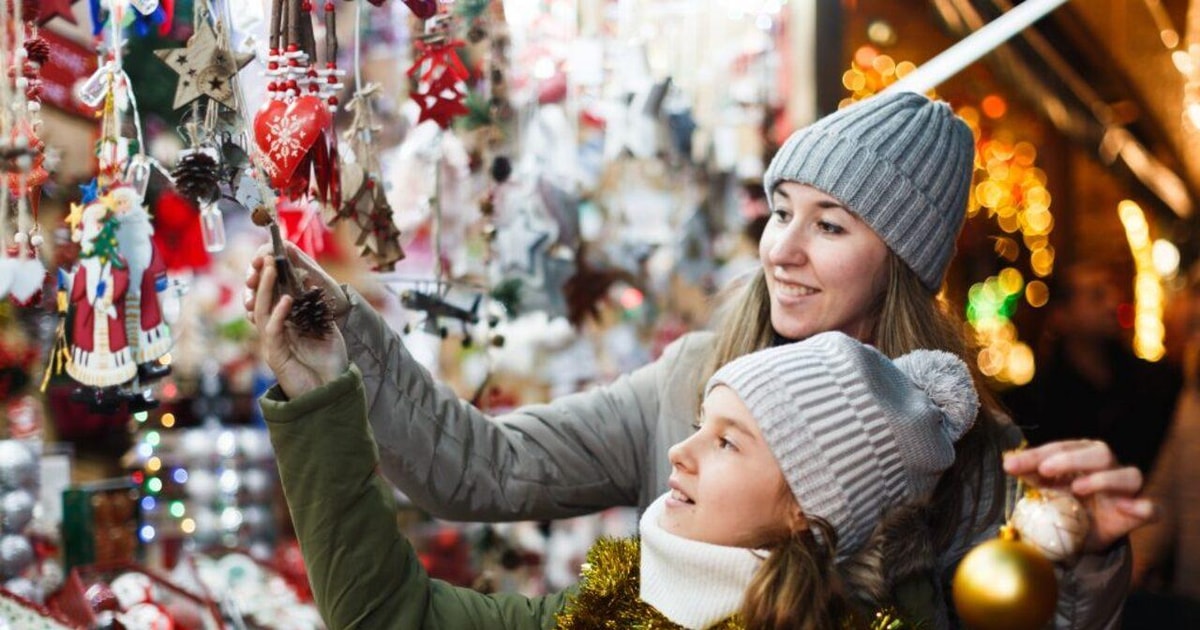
{"points": [[300, 363], [308, 271]]}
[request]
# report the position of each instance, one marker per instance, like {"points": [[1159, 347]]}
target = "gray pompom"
{"points": [[947, 381]]}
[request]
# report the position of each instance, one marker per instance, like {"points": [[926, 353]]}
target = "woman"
{"points": [[765, 525], [866, 206]]}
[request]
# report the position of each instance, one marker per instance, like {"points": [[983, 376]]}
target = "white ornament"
{"points": [[132, 589], [1053, 521]]}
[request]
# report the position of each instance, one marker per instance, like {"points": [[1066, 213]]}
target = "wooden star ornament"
{"points": [[205, 67]]}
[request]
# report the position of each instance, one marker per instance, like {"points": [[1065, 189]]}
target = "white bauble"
{"points": [[1052, 521]]}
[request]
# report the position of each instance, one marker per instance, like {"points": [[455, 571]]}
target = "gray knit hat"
{"points": [[898, 160], [854, 432]]}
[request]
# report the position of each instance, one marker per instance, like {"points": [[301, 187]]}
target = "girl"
{"points": [[769, 517]]}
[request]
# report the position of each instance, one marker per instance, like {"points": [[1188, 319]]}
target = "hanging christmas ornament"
{"points": [[293, 130], [1005, 584], [113, 331], [16, 554], [21, 157], [206, 66], [16, 511], [423, 9], [439, 76], [18, 466], [1009, 584], [365, 204], [100, 354], [50, 9], [1053, 521], [147, 328]]}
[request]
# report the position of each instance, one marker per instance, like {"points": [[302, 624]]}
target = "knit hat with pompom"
{"points": [[854, 432]]}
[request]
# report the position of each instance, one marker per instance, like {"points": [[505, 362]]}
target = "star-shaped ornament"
{"points": [[49, 9], [75, 217], [205, 68], [442, 100]]}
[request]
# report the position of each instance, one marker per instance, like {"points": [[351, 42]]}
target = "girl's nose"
{"points": [[680, 455]]}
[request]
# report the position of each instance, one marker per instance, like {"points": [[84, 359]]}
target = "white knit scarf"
{"points": [[694, 584]]}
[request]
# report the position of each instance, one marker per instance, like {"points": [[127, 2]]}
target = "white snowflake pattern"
{"points": [[284, 137]]}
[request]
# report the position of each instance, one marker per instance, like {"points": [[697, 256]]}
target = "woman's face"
{"points": [[726, 486], [825, 268]]}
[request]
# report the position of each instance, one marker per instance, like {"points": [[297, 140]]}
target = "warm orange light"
{"points": [[993, 106], [864, 56]]}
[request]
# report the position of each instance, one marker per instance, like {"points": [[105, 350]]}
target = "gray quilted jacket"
{"points": [[589, 451]]}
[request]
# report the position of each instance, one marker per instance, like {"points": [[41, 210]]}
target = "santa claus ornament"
{"points": [[100, 355], [115, 332]]}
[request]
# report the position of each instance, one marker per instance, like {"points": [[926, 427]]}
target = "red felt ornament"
{"points": [[50, 9], [301, 224], [440, 76], [178, 234]]}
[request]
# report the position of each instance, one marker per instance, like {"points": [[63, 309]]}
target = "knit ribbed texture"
{"points": [[853, 432], [901, 162], [692, 583]]}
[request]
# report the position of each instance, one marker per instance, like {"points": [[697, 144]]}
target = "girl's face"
{"points": [[825, 268], [726, 485]]}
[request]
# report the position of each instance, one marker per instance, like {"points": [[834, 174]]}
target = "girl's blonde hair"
{"points": [[909, 318], [798, 587]]}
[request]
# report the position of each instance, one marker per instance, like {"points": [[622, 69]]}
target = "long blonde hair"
{"points": [[910, 317], [798, 585]]}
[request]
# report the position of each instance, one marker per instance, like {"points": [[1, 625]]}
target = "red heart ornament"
{"points": [[286, 131]]}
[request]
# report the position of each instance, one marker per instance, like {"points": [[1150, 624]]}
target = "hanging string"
{"points": [[358, 13]]}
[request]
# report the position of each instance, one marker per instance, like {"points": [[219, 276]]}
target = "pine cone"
{"points": [[311, 314], [197, 177], [38, 50]]}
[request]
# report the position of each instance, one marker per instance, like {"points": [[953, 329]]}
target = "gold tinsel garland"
{"points": [[608, 596]]}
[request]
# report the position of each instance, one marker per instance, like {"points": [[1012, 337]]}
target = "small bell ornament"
{"points": [[1005, 584], [1053, 521]]}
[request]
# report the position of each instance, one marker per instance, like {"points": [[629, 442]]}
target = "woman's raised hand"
{"points": [[1088, 468], [300, 363]]}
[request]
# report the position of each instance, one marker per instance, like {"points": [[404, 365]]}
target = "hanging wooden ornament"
{"points": [[206, 66], [366, 205]]}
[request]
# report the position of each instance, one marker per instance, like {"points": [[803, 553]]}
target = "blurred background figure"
{"points": [[1166, 555], [1088, 383]]}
